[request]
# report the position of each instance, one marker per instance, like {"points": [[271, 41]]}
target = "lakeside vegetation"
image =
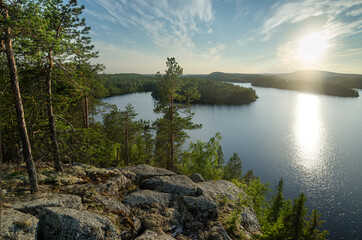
{"points": [[320, 82], [125, 83], [49, 87], [307, 86], [211, 92]]}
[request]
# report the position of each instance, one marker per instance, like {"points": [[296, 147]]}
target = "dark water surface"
{"points": [[313, 141]]}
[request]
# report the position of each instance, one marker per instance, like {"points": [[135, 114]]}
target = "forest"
{"points": [[307, 86], [211, 92], [49, 88]]}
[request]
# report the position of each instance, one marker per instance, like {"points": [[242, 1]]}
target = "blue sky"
{"points": [[235, 36]]}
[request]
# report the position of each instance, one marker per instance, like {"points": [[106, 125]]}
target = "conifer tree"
{"points": [[220, 158], [173, 100], [7, 21], [128, 128], [277, 204], [233, 168], [295, 222]]}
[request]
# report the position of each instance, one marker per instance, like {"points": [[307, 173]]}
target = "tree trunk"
{"points": [[172, 140], [86, 112], [53, 133], [127, 142], [145, 131], [19, 105], [1, 168]]}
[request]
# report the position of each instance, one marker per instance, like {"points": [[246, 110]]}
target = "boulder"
{"points": [[116, 186], [148, 199], [151, 235], [155, 221], [217, 190], [178, 185], [216, 232], [201, 208], [197, 178], [141, 172], [112, 205], [18, 225], [67, 224], [250, 222], [130, 227], [60, 200]]}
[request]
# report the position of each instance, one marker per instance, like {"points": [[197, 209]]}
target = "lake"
{"points": [[313, 141]]}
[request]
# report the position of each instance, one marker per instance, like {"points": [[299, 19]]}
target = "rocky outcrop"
{"points": [[178, 185], [49, 200], [18, 225], [146, 199], [140, 202], [71, 224]]}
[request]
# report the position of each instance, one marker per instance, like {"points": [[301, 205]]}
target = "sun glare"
{"points": [[308, 129], [312, 47]]}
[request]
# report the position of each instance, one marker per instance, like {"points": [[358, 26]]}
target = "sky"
{"points": [[233, 36]]}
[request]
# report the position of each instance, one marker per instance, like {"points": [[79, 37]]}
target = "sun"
{"points": [[312, 47]]}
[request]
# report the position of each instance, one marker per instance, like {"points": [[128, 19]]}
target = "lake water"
{"points": [[313, 141]]}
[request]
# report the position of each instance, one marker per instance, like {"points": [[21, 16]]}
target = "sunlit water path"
{"points": [[314, 142]]}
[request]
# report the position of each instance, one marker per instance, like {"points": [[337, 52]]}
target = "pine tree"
{"points": [[312, 229], [277, 203], [173, 99], [233, 168], [148, 140], [128, 129], [220, 158], [6, 24], [295, 222]]}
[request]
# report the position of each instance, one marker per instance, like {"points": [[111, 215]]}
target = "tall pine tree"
{"points": [[173, 100], [8, 21]]}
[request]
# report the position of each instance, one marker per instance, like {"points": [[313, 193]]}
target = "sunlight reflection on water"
{"points": [[311, 145], [307, 130]]}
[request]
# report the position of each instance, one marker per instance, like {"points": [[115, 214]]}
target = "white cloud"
{"points": [[355, 12], [123, 59], [170, 24], [297, 11]]}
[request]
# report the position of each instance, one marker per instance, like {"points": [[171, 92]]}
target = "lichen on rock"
{"points": [[139, 202]]}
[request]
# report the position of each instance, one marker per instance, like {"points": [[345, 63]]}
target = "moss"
{"points": [[23, 224]]}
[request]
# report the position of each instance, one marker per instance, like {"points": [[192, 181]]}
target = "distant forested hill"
{"points": [[346, 80], [324, 88], [124, 83]]}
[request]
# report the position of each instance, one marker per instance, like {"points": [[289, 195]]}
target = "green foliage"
{"points": [[307, 86], [279, 218], [120, 127], [170, 128], [220, 158], [277, 203], [214, 92], [203, 158], [233, 169], [287, 220], [118, 84]]}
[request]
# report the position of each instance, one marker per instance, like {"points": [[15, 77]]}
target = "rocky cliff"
{"points": [[140, 202]]}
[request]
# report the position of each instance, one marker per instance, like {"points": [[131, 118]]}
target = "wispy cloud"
{"points": [[114, 58], [170, 24], [355, 12], [297, 11]]}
